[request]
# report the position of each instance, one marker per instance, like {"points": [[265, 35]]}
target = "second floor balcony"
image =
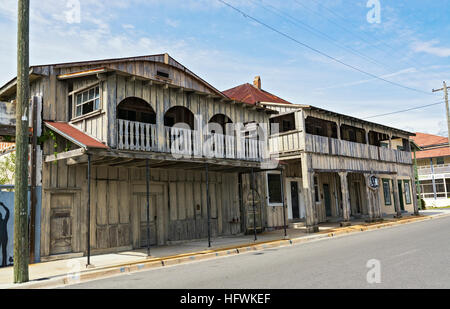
{"points": [[139, 136], [296, 141]]}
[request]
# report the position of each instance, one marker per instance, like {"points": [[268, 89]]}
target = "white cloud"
{"points": [[431, 48]]}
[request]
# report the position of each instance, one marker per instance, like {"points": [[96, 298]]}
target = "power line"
{"points": [[301, 24], [405, 110], [395, 50], [320, 52]]}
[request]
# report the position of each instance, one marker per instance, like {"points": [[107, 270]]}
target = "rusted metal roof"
{"points": [[250, 94], [74, 135]]}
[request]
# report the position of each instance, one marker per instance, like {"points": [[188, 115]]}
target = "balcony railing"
{"points": [[438, 169], [332, 146], [139, 136]]}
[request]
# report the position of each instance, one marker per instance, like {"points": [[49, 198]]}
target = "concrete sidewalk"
{"points": [[54, 273]]}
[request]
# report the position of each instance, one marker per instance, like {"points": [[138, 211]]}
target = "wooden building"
{"points": [[124, 134], [337, 167]]}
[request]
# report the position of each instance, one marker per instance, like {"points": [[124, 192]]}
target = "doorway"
{"points": [[355, 198], [153, 216], [294, 193], [400, 195], [327, 199]]}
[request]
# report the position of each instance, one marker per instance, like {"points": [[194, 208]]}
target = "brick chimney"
{"points": [[257, 82]]}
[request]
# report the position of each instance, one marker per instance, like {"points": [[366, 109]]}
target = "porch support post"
{"points": [[433, 180], [370, 200], [284, 203], [414, 197], [345, 199], [397, 199], [208, 206], [147, 169], [253, 201], [308, 189], [89, 213]]}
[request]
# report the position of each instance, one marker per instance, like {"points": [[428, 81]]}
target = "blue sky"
{"points": [[408, 46]]}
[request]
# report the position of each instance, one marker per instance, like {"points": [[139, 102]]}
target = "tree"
{"points": [[7, 168]]}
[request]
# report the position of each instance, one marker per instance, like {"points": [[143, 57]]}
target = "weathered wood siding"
{"points": [[115, 213]]}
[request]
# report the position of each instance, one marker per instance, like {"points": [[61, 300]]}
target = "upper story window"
{"points": [[439, 160], [87, 101]]}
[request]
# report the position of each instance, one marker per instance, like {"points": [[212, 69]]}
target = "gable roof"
{"points": [[37, 71], [250, 94], [424, 140]]}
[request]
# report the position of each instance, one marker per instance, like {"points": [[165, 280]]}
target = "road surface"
{"points": [[413, 255]]}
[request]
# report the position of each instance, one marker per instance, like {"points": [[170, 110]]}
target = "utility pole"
{"points": [[21, 245], [445, 89]]}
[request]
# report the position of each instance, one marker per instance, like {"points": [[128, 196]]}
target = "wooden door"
{"points": [[400, 195], [61, 223], [295, 202], [153, 217]]}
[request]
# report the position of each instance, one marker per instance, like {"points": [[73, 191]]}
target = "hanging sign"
{"points": [[373, 182]]}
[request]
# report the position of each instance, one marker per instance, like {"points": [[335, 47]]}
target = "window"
{"points": [[274, 189], [439, 160], [387, 192], [384, 145], [316, 189], [87, 101], [400, 148], [407, 192]]}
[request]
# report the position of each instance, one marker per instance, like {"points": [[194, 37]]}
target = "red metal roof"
{"points": [[424, 139], [250, 94], [75, 135]]}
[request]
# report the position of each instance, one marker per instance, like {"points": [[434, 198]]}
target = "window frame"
{"points": [[275, 204], [407, 197], [81, 91], [386, 181]]}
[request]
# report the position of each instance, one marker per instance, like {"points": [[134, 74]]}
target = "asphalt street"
{"points": [[408, 256]]}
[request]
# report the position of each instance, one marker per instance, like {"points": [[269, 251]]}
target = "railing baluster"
{"points": [[120, 134], [127, 135]]}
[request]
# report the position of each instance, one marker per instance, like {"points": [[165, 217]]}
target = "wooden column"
{"points": [[396, 199], [370, 200], [345, 199], [414, 193], [308, 189]]}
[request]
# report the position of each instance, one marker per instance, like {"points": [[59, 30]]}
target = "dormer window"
{"points": [[87, 101]]}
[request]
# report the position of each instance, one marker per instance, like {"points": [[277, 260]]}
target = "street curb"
{"points": [[131, 267]]}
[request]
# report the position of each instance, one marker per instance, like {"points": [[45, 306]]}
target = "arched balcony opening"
{"points": [[222, 135], [136, 125], [179, 114], [179, 132]]}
